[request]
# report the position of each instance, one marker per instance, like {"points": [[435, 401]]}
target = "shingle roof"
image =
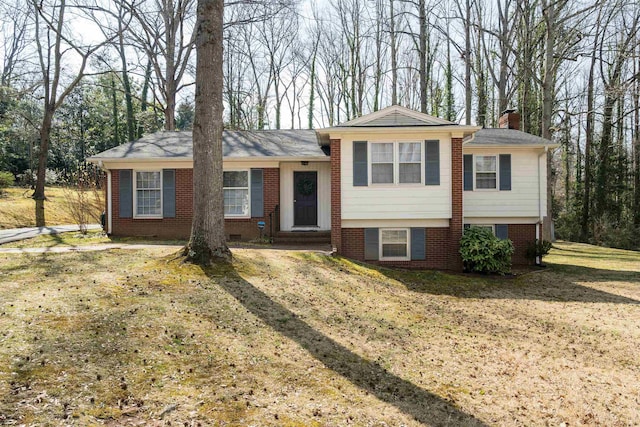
{"points": [[178, 145], [501, 136]]}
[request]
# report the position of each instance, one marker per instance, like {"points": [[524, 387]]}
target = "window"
{"points": [[396, 162], [148, 194], [236, 193], [486, 175], [486, 226], [382, 163], [410, 163], [394, 244]]}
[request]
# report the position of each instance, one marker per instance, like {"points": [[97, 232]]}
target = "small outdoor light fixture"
{"points": [[261, 225], [304, 163]]}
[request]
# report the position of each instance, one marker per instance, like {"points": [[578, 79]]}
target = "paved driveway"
{"points": [[15, 234]]}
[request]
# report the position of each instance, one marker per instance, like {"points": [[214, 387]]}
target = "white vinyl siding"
{"points": [[236, 193], [486, 172], [148, 194], [394, 244], [527, 200], [396, 202]]}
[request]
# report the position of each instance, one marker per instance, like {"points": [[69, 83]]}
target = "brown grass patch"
{"points": [[285, 338], [17, 208]]}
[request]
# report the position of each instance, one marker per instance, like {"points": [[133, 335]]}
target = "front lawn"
{"points": [[126, 337]]}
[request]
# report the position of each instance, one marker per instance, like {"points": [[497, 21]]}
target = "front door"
{"points": [[305, 198]]}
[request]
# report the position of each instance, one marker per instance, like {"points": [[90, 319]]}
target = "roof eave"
{"points": [[102, 160]]}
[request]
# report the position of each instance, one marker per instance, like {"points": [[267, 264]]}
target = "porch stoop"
{"points": [[302, 237]]}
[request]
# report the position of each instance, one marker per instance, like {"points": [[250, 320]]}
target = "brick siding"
{"points": [[336, 201], [436, 239], [522, 235], [180, 226], [455, 224]]}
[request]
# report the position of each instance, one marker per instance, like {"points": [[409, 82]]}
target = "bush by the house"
{"points": [[6, 180], [538, 249], [482, 252]]}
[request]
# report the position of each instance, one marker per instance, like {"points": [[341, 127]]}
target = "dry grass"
{"points": [[17, 208], [297, 339]]}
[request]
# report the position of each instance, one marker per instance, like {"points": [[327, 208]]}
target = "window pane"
{"points": [[394, 250], [485, 163], [236, 201], [382, 173], [486, 180], [394, 236], [235, 179], [410, 173], [148, 179], [382, 153], [410, 152], [148, 202]]}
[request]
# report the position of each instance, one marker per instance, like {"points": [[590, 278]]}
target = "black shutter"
{"points": [[505, 172], [257, 193], [360, 166], [371, 244], [125, 193], [432, 162], [502, 231], [418, 251], [168, 193], [468, 172]]}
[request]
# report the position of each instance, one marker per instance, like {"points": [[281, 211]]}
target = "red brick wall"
{"points": [[455, 224], [336, 201], [180, 226], [247, 228], [522, 235], [436, 239]]}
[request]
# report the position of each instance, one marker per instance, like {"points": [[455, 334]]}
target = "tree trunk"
{"points": [[636, 145], [467, 63], [43, 153], [394, 55], [207, 241], [586, 199], [548, 84], [422, 20]]}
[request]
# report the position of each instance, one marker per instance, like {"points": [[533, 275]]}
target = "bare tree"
{"points": [[56, 50]]}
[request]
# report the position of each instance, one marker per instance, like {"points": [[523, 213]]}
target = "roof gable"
{"points": [[396, 116]]}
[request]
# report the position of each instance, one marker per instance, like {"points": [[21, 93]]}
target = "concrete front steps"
{"points": [[302, 237]]}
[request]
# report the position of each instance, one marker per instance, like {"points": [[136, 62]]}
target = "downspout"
{"points": [[540, 213], [109, 206]]}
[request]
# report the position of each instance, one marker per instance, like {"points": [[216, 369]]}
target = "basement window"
{"points": [[394, 244]]}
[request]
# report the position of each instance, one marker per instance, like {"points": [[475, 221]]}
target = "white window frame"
{"points": [[380, 245], [135, 194], [396, 164], [248, 214], [475, 172]]}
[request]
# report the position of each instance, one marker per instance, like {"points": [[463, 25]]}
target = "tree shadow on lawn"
{"points": [[423, 406], [558, 283]]}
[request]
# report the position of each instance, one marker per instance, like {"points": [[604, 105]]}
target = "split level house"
{"points": [[392, 187]]}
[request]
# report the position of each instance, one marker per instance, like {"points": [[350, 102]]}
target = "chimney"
{"points": [[509, 120]]}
